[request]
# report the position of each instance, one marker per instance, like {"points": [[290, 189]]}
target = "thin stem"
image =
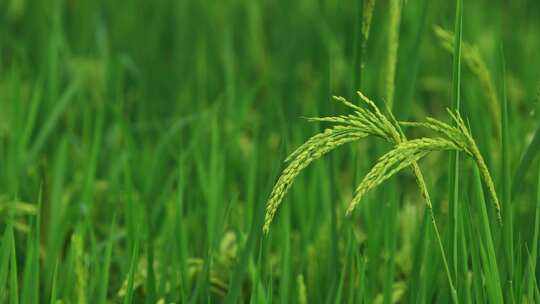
{"points": [[393, 42], [423, 189], [454, 159]]}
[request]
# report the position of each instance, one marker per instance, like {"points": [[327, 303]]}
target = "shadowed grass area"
{"points": [[141, 140]]}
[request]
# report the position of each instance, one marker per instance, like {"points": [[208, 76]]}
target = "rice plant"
{"points": [[405, 153], [364, 123]]}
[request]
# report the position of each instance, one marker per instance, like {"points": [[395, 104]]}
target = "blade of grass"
{"points": [[530, 154], [254, 234], [48, 127], [57, 224], [454, 158], [14, 282], [466, 295], [215, 210], [492, 277], [534, 247], [31, 281], [407, 70], [54, 283], [338, 298], [68, 279], [390, 239], [416, 288], [475, 268], [128, 299], [105, 268], [183, 254], [241, 266], [32, 116], [390, 196], [333, 238], [352, 253], [5, 251], [286, 263], [507, 207]]}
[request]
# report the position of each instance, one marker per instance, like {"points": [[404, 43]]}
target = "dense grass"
{"points": [[140, 140]]}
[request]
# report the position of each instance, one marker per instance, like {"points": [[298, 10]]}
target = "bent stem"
{"points": [[423, 190]]}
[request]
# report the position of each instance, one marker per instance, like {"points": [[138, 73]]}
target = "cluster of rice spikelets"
{"points": [[372, 122], [313, 149], [348, 128], [461, 136], [402, 156]]}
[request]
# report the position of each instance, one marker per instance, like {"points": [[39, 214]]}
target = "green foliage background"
{"points": [[140, 140]]}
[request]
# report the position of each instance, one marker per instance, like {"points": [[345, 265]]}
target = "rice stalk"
{"points": [[80, 269], [393, 43], [367, 16], [302, 292]]}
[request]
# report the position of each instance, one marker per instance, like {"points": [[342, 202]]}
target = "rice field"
{"points": [[249, 151]]}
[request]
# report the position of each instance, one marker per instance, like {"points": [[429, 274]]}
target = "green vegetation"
{"points": [[142, 147]]}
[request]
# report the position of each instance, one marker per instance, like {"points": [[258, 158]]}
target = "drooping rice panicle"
{"points": [[348, 128], [402, 156], [313, 149], [461, 136]]}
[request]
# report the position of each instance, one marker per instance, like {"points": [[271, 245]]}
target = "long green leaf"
{"points": [[105, 267], [14, 283], [534, 247], [454, 158], [507, 206], [5, 251], [492, 277], [128, 299]]}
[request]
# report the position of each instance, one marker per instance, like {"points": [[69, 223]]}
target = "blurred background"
{"points": [[139, 141]]}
